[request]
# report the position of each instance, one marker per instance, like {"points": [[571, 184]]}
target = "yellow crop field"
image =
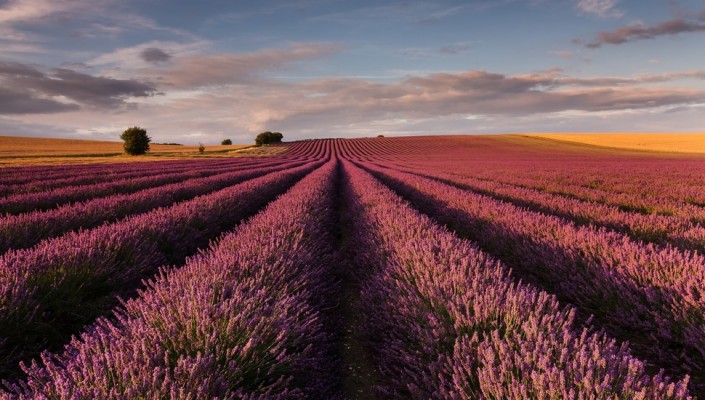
{"points": [[16, 150], [657, 142]]}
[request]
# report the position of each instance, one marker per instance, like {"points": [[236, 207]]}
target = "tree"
{"points": [[201, 148], [136, 140], [268, 137], [380, 135], [226, 142]]}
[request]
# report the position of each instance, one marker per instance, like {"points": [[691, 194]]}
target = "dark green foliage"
{"points": [[226, 142], [380, 135], [268, 137], [201, 148], [136, 140]]}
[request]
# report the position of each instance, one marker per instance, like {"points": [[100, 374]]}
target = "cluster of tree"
{"points": [[137, 141], [268, 137]]}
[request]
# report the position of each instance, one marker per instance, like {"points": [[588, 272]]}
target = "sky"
{"points": [[199, 72]]}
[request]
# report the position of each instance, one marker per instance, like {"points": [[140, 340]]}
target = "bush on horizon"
{"points": [[136, 141]]}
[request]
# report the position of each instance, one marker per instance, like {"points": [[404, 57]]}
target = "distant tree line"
{"points": [[268, 137]]}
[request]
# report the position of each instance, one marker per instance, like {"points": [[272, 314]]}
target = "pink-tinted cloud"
{"points": [[346, 103], [26, 10], [641, 32], [564, 54], [601, 8], [480, 92], [194, 71]]}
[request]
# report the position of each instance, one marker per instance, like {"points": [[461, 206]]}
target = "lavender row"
{"points": [[673, 179], [242, 320], [675, 200], [637, 291], [660, 229], [51, 290], [99, 176], [33, 201], [26, 230], [447, 322], [47, 178]]}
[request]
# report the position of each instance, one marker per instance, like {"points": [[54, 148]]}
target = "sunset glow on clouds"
{"points": [[324, 68]]}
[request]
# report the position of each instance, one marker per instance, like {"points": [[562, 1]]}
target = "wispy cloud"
{"points": [[455, 48], [600, 8], [27, 21], [128, 61], [444, 13], [643, 31], [15, 11], [564, 54], [231, 68], [270, 8], [408, 11], [448, 50]]}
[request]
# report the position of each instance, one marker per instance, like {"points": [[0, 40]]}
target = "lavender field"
{"points": [[446, 267]]}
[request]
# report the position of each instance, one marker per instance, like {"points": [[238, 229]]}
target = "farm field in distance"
{"points": [[656, 142], [15, 150], [429, 267]]}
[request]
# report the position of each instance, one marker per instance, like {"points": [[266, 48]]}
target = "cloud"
{"points": [[11, 127], [22, 102], [340, 104], [23, 10], [641, 32], [637, 80], [234, 68], [128, 62], [600, 8], [415, 12], [481, 92], [24, 23], [473, 100], [27, 89], [448, 12], [455, 49], [154, 55], [449, 50], [564, 54]]}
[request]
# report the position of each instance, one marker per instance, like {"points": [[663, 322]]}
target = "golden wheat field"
{"points": [[26, 150], [655, 142]]}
